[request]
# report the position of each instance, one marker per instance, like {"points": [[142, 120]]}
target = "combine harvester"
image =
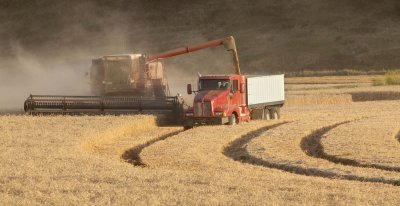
{"points": [[125, 84]]}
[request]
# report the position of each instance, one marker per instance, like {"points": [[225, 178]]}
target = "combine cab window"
{"points": [[214, 84], [118, 71]]}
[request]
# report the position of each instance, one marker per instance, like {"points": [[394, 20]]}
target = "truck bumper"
{"points": [[206, 121]]}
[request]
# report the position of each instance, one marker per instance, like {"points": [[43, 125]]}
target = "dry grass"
{"points": [[320, 154], [346, 98], [201, 152], [368, 142], [375, 95], [324, 90], [332, 79], [103, 142], [115, 142], [341, 90], [390, 78], [310, 99], [296, 158], [43, 164], [318, 87]]}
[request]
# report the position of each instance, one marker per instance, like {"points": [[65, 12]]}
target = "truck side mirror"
{"points": [[242, 88], [189, 88]]}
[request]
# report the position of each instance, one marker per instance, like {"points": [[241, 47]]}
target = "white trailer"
{"points": [[265, 96]]}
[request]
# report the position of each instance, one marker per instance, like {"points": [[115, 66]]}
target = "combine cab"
{"points": [[125, 84], [128, 74]]}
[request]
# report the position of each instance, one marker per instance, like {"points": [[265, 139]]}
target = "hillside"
{"points": [[48, 45], [271, 35]]}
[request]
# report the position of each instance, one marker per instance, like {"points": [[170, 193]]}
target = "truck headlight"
{"points": [[219, 114], [189, 114]]}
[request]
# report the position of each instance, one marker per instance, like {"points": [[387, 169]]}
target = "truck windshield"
{"points": [[214, 84]]}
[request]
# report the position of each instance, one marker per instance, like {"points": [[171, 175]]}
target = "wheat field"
{"points": [[323, 151], [380, 143]]}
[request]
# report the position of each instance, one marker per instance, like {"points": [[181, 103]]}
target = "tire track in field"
{"points": [[132, 155], [311, 145], [237, 151], [398, 137]]}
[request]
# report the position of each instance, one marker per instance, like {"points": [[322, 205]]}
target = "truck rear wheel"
{"points": [[232, 120], [275, 113], [267, 114]]}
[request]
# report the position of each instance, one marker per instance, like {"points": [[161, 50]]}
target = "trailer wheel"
{"points": [[267, 114], [232, 120], [275, 113]]}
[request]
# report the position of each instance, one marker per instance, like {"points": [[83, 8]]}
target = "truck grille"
{"points": [[197, 109], [207, 109], [201, 109]]}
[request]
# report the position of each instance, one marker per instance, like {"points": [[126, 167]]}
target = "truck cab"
{"points": [[233, 99], [219, 99]]}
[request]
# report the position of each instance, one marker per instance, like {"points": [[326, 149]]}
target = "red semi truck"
{"points": [[231, 99]]}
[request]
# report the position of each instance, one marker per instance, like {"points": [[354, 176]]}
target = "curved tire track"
{"points": [[311, 145], [132, 155], [398, 137], [236, 150]]}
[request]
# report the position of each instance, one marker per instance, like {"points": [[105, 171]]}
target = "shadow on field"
{"points": [[237, 151], [375, 96], [132, 155], [398, 137]]}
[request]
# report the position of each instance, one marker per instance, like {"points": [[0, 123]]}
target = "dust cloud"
{"points": [[49, 51], [27, 75], [53, 60]]}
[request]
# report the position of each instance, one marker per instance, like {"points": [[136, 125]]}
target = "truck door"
{"points": [[236, 96]]}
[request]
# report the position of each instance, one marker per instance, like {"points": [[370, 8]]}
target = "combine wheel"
{"points": [[232, 120]]}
